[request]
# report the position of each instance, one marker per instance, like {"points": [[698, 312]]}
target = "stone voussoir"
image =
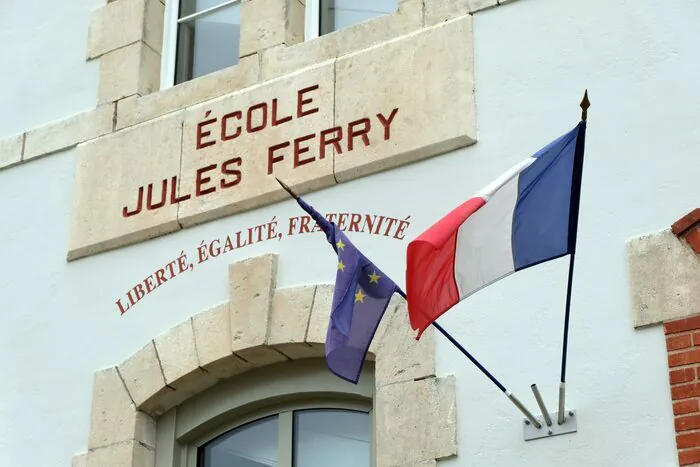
{"points": [[212, 333], [289, 321], [320, 316], [143, 375]]}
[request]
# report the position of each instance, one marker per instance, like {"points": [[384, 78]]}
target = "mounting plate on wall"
{"points": [[530, 432]]}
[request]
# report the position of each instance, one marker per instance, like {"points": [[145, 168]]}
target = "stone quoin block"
{"points": [[388, 129], [664, 278], [251, 284], [68, 132], [128, 71], [129, 454], [212, 333], [11, 151], [235, 146], [265, 23], [114, 418], [289, 321], [422, 430], [113, 173], [437, 11], [280, 60], [124, 22], [138, 110], [688, 228], [402, 357]]}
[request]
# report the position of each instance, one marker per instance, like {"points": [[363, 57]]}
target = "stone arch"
{"points": [[415, 421]]}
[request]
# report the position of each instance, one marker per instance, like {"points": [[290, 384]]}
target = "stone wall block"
{"points": [[129, 454], [138, 110], [423, 429], [439, 58], [143, 375], [117, 24], [130, 70], [114, 417], [68, 132], [266, 23], [249, 132], [320, 315], [110, 172], [400, 356], [664, 278], [153, 25], [11, 151], [289, 321], [437, 11]]}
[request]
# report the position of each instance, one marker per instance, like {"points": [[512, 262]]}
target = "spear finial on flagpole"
{"points": [[287, 189], [585, 104]]}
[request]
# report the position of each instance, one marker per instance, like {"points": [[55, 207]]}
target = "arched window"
{"points": [[292, 414]]}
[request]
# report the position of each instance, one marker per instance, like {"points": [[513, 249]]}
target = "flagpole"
{"points": [[459, 346], [573, 232]]}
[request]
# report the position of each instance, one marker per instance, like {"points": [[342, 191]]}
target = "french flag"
{"points": [[526, 216]]}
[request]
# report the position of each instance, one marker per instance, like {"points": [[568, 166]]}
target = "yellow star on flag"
{"points": [[341, 266], [359, 296], [340, 245], [374, 278]]}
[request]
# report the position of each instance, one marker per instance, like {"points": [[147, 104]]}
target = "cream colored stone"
{"points": [[278, 61], [110, 171], [177, 352], [266, 23], [664, 278], [249, 152], [291, 310], [80, 460], [437, 11], [143, 375], [129, 454], [11, 151], [438, 59], [138, 110], [124, 22], [393, 308], [399, 356], [114, 417], [320, 315], [69, 132], [130, 70], [185, 388], [422, 414], [212, 332]]}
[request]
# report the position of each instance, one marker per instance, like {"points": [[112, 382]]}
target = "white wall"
{"points": [[59, 323]]}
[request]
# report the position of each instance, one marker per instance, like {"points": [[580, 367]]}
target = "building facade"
{"points": [[165, 303]]}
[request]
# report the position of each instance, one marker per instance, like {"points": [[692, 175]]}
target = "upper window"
{"points": [[207, 37], [339, 14]]}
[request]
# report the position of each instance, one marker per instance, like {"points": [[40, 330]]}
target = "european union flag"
{"points": [[362, 294]]}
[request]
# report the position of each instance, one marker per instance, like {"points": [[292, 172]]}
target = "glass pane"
{"points": [[338, 438], [338, 14], [208, 43], [187, 7], [252, 445]]}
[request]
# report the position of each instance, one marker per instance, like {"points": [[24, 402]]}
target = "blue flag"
{"points": [[362, 294]]}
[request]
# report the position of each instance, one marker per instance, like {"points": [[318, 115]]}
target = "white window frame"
{"points": [[170, 33]]}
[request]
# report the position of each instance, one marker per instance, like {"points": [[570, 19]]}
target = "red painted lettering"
{"points": [[301, 101], [149, 196], [335, 140], [160, 277], [299, 150], [355, 223], [174, 198], [199, 181], [139, 206], [138, 291], [202, 134], [304, 227], [342, 217], [275, 120], [149, 284], [353, 133], [226, 169], [249, 120], [225, 136], [386, 122], [122, 310], [271, 158]]}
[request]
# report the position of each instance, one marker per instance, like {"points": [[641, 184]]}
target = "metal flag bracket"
{"points": [[564, 422]]}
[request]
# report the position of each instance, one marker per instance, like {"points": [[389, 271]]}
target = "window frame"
{"points": [[278, 389]]}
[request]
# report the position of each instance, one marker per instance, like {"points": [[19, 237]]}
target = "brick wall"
{"points": [[688, 227]]}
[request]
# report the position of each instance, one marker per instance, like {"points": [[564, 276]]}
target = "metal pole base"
{"points": [[531, 432]]}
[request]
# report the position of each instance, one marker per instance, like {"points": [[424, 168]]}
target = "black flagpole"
{"points": [[459, 346], [573, 232]]}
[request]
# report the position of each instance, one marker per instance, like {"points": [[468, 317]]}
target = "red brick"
{"points": [[685, 391], [688, 440], [680, 325], [696, 339], [686, 222], [683, 375], [685, 407], [689, 457], [693, 239], [690, 422], [677, 342], [684, 358]]}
